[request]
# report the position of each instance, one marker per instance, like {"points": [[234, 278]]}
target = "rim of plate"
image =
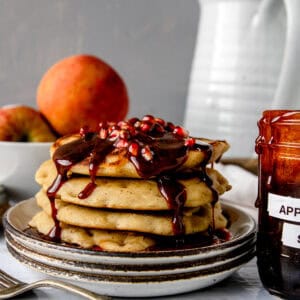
{"points": [[85, 276], [165, 285], [129, 269], [228, 208]]}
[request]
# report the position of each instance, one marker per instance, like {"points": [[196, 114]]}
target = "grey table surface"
{"points": [[242, 285]]}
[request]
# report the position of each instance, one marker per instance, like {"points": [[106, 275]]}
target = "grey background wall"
{"points": [[149, 42]]}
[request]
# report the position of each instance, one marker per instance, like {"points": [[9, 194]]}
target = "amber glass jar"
{"points": [[278, 239]]}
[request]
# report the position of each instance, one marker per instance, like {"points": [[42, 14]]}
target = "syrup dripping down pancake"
{"points": [[195, 220], [135, 194], [117, 164]]}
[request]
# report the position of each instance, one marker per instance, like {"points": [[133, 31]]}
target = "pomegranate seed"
{"points": [[132, 131], [114, 135], [190, 142], [160, 121], [132, 121], [112, 127], [103, 133], [180, 132], [123, 125], [147, 153], [124, 134], [158, 128], [121, 144], [134, 149], [137, 124], [170, 127], [146, 126], [148, 118]]}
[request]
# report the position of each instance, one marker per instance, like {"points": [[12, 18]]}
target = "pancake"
{"points": [[194, 220], [135, 194], [117, 164], [130, 180], [90, 238]]}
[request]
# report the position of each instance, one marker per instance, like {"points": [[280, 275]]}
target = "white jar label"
{"points": [[291, 235], [284, 208]]}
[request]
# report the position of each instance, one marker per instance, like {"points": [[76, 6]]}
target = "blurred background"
{"points": [[213, 66], [150, 43]]}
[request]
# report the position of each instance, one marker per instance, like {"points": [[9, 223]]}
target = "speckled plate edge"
{"points": [[129, 270], [242, 223], [141, 286]]}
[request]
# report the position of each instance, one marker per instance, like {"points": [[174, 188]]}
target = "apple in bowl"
{"points": [[25, 140], [20, 123]]}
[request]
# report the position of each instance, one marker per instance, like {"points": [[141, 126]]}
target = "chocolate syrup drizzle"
{"points": [[156, 149]]}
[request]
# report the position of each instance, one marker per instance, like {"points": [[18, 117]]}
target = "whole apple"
{"points": [[81, 90], [19, 123]]}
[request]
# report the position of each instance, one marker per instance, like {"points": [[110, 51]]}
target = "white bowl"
{"points": [[18, 164]]}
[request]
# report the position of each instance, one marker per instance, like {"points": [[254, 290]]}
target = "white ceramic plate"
{"points": [[140, 286], [143, 274], [243, 228], [131, 270]]}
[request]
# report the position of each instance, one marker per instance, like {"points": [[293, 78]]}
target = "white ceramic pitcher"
{"points": [[247, 59]]}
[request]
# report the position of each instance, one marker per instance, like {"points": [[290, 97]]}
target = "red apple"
{"points": [[81, 90], [23, 124]]}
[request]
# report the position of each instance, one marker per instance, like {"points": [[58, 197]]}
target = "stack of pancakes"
{"points": [[130, 186]]}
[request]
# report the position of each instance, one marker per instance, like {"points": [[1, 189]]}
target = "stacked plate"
{"points": [[144, 274]]}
